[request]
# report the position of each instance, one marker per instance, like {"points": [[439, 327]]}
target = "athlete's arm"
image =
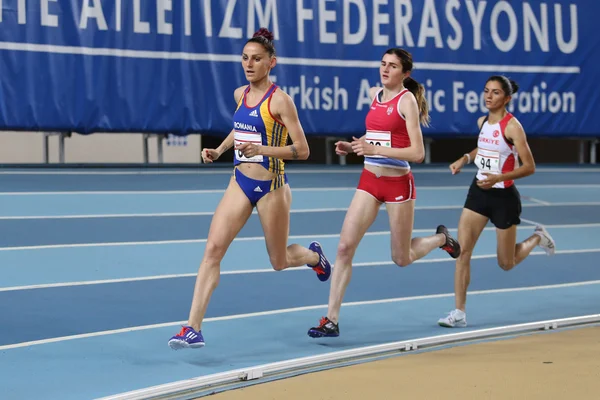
{"points": [[284, 109], [467, 158], [226, 144], [210, 155], [457, 165], [515, 133], [344, 147], [416, 151]]}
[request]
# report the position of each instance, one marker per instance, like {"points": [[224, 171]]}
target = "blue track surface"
{"points": [[123, 259]]}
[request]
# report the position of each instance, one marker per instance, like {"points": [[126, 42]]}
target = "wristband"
{"points": [[468, 158]]}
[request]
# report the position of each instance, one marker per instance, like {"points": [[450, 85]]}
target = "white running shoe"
{"points": [[546, 241], [455, 319]]}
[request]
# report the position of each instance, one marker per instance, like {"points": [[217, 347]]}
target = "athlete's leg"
{"points": [[470, 226], [274, 212], [405, 248], [511, 253], [231, 215], [359, 217]]}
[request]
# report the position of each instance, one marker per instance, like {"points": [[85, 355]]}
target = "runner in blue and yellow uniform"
{"points": [[254, 125], [263, 120]]}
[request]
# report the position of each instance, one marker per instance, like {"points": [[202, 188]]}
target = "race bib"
{"points": [[247, 137], [488, 161], [379, 138]]}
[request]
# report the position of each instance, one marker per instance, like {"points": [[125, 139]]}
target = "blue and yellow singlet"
{"points": [[257, 125]]}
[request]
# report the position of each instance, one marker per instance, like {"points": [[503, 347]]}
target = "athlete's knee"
{"points": [[345, 251], [279, 266], [506, 263], [465, 256], [279, 263], [214, 252], [401, 260]]}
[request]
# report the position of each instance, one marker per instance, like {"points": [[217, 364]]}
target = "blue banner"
{"points": [[172, 65]]}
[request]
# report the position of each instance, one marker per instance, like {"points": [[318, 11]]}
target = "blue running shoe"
{"points": [[323, 268], [187, 338]]}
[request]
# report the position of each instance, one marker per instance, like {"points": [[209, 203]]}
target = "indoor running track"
{"points": [[98, 268]]}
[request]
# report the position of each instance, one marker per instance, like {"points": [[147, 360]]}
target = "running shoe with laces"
{"points": [[187, 338], [451, 246], [455, 319], [326, 328], [546, 241], [323, 268]]}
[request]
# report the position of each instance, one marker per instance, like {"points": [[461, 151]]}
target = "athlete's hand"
{"points": [[489, 180], [209, 155], [361, 147], [249, 150], [457, 165], [342, 148]]}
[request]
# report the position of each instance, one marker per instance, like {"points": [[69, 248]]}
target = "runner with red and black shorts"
{"points": [[493, 196]]}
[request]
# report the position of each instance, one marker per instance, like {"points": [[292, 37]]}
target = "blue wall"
{"points": [[172, 65]]}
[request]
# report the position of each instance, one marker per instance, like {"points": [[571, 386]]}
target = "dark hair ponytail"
{"points": [[514, 86], [264, 37], [419, 92]]}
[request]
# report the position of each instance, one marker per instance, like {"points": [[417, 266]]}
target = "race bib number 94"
{"points": [[379, 138], [247, 137], [488, 160]]}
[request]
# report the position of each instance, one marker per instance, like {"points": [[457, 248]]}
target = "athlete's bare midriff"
{"points": [[255, 171], [385, 171]]}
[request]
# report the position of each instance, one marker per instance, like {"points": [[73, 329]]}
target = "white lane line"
{"points": [[264, 270], [155, 215], [538, 203], [255, 238], [290, 310]]}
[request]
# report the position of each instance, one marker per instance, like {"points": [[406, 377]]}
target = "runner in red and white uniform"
{"points": [[393, 139], [493, 195], [496, 153]]}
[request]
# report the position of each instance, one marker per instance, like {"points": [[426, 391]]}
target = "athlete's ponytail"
{"points": [[419, 92]]}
